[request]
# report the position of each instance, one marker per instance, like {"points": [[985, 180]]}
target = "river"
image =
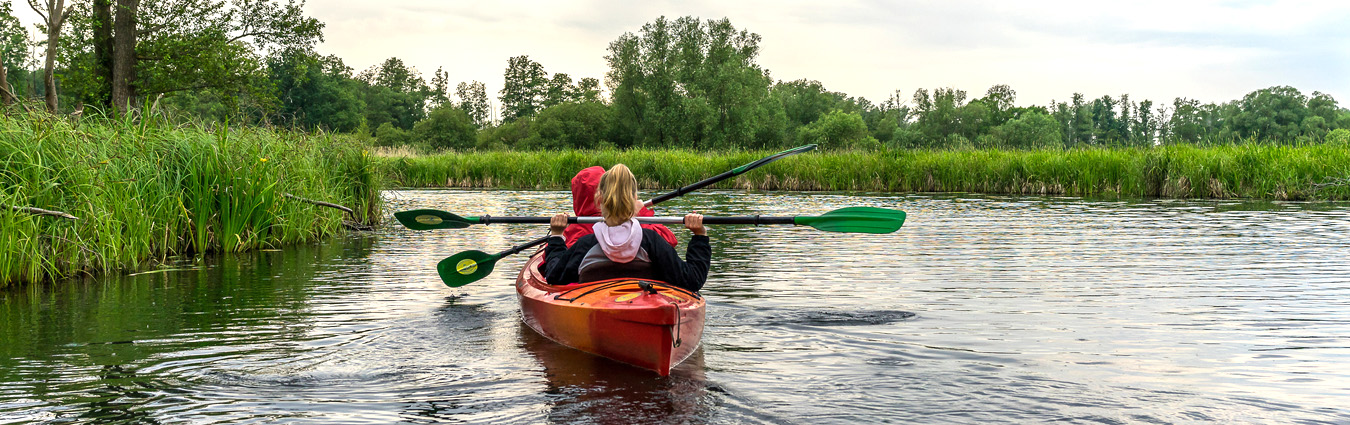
{"points": [[982, 309]]}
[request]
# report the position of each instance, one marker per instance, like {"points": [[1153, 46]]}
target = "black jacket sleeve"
{"points": [[690, 273], [561, 264]]}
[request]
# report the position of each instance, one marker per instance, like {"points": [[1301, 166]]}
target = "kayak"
{"points": [[645, 323]]}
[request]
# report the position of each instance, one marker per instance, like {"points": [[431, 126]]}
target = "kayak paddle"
{"points": [[433, 219], [468, 266], [729, 174], [848, 220]]}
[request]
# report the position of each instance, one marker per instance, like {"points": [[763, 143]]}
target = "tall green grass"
{"points": [[144, 190], [1247, 170]]}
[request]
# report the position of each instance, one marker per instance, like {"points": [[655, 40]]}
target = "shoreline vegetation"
{"points": [[1243, 170], [143, 190]]}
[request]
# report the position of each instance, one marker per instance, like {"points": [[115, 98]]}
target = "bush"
{"points": [[1339, 137], [388, 135], [447, 127], [837, 130], [570, 125], [1033, 130]]}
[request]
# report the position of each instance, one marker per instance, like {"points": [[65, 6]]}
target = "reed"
{"points": [[1241, 170], [144, 190]]}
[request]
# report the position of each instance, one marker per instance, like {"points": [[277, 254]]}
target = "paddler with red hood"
{"points": [[619, 246]]}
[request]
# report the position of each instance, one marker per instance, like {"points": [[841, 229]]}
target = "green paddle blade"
{"points": [[465, 267], [432, 219], [855, 220]]}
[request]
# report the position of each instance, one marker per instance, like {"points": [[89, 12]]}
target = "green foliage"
{"points": [[569, 126], [389, 135], [147, 190], [1339, 137], [1033, 130], [474, 101], [393, 93], [1273, 113], [524, 89], [1261, 171], [13, 39], [447, 127], [838, 129], [315, 92], [688, 83]]}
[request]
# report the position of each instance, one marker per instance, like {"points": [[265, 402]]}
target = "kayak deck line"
{"points": [[647, 286]]}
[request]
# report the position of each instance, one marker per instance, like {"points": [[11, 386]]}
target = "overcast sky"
{"points": [[1211, 50]]}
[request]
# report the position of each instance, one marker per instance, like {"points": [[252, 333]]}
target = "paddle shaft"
{"points": [[734, 172], [752, 219], [518, 248]]}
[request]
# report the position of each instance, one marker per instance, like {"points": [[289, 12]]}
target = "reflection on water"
{"points": [[983, 308]]}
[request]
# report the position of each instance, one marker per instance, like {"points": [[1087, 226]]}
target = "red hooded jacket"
{"points": [[583, 204]]}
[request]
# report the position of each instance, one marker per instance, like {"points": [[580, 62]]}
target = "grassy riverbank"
{"points": [[143, 191], [1251, 170]]}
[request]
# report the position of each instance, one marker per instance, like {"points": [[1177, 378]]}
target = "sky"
{"points": [[1046, 50]]}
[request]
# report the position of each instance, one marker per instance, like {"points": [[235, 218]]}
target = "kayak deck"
{"points": [[645, 323]]}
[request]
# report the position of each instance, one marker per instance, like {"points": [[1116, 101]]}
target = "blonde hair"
{"points": [[617, 195]]}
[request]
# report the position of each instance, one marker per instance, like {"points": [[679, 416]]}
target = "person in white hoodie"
{"points": [[620, 247]]}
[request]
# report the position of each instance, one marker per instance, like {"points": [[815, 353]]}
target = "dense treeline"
{"points": [[680, 83]]}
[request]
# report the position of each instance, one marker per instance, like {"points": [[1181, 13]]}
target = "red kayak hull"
{"points": [[654, 328]]}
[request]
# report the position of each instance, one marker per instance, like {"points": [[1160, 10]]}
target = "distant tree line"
{"points": [[686, 83]]}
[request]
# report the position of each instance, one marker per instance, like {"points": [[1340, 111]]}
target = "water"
{"points": [[982, 309]]}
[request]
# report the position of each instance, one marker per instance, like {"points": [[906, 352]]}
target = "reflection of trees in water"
{"points": [[584, 388], [121, 397], [76, 346]]}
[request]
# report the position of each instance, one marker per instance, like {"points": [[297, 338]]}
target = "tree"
{"points": [[805, 101], [1272, 113], [1000, 99], [13, 52], [838, 129], [316, 92], [395, 94], [572, 125], [1145, 126], [1185, 124], [1033, 130], [688, 83], [474, 101], [164, 47], [53, 14], [1081, 126], [440, 89], [523, 89], [559, 90], [938, 115], [588, 90], [447, 127]]}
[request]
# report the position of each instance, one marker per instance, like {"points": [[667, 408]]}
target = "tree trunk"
{"points": [[4, 81], [56, 15], [124, 54], [103, 50]]}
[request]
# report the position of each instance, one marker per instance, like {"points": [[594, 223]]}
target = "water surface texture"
{"points": [[981, 309]]}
